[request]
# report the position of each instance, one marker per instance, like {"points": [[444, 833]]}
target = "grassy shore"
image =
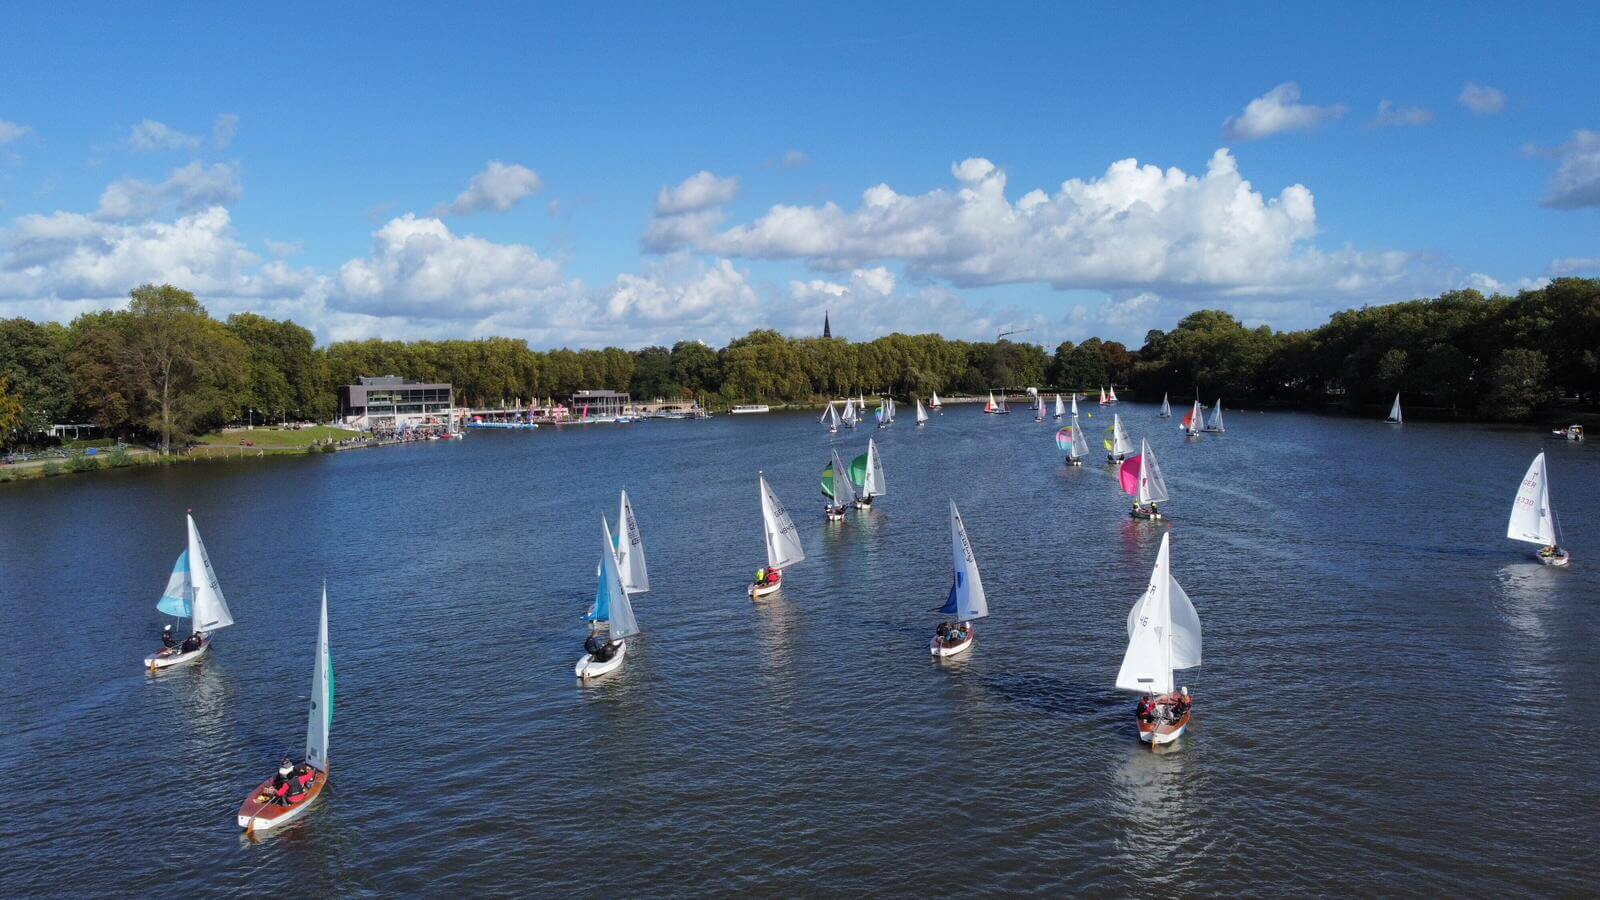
{"points": [[233, 444], [275, 439]]}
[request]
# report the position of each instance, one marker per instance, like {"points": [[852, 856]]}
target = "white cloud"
{"points": [[10, 131], [868, 305], [418, 267], [1576, 183], [1575, 265], [1137, 310], [284, 249], [151, 135], [1134, 228], [794, 159], [1482, 99], [1391, 116], [223, 130], [1490, 285], [1278, 110], [497, 188], [192, 187], [682, 292], [697, 192]]}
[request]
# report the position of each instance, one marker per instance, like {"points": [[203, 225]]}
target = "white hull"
{"points": [[588, 667], [834, 515], [758, 591], [1560, 559], [863, 503], [160, 661], [1162, 739], [940, 650]]}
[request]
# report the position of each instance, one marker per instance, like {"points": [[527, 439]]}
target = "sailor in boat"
{"points": [[168, 639], [950, 634], [1163, 710], [1551, 552], [289, 786], [192, 643], [767, 577], [602, 650]]}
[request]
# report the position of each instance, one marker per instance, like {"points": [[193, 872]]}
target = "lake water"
{"points": [[1394, 697]]}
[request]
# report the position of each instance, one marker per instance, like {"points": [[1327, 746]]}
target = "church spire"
{"points": [[826, 331]]}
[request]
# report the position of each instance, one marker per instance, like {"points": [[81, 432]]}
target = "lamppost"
{"points": [[252, 420]]}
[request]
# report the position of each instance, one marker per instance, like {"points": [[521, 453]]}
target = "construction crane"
{"points": [[1002, 335]]}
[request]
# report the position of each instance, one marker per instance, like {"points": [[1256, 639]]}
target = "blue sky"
{"points": [[876, 161]]}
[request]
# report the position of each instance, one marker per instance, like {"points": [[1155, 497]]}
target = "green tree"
{"points": [[1521, 383], [182, 369], [12, 415]]}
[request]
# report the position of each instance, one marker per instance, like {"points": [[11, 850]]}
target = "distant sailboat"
{"points": [[782, 539], [1141, 479], [1163, 636], [990, 407], [192, 593], [966, 602], [872, 480], [849, 417], [1214, 421], [922, 414], [830, 418], [837, 487], [1070, 440], [1192, 421], [1113, 397], [1533, 519], [1061, 408], [1004, 409], [1117, 444], [1394, 412], [1074, 406], [1166, 408], [1102, 396], [1038, 408], [611, 606], [283, 797], [934, 403]]}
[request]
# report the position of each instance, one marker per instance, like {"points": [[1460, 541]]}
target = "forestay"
{"points": [[206, 600], [1163, 632], [783, 539], [967, 600], [320, 721], [1532, 519]]}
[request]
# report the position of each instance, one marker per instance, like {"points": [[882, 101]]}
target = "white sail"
{"points": [[630, 551], [783, 539], [1113, 397], [1074, 405], [1214, 421], [1532, 518], [1394, 411], [206, 600], [1080, 441], [1166, 407], [320, 722], [1191, 424], [1061, 408], [991, 404], [1120, 444], [1102, 396], [967, 600], [1163, 632], [875, 485], [849, 417], [844, 490], [935, 401], [922, 414], [830, 416], [1152, 487], [611, 603]]}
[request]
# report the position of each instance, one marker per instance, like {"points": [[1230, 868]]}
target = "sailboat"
{"points": [[990, 407], [889, 411], [628, 547], [1163, 636], [872, 481], [837, 486], [849, 417], [1004, 410], [1117, 444], [1038, 408], [934, 403], [783, 542], [1394, 412], [1214, 421], [922, 414], [192, 593], [611, 606], [1191, 422], [1113, 397], [882, 414], [1166, 408], [966, 602], [1074, 406], [282, 798], [1061, 408], [1102, 396], [1071, 441], [1533, 519], [830, 418], [1141, 479]]}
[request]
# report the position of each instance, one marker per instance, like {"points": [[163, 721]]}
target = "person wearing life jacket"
{"points": [[761, 576], [278, 793], [193, 642], [598, 648], [168, 640], [300, 782]]}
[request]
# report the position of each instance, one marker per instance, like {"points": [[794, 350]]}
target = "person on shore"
{"points": [[168, 639]]}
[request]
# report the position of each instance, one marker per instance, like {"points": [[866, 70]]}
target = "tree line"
{"points": [[162, 369]]}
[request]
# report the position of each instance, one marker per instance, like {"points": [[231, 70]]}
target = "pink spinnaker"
{"points": [[1129, 474]]}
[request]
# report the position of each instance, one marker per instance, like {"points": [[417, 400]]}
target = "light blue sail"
{"points": [[175, 599], [611, 601]]}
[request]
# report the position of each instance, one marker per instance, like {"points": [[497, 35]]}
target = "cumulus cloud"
{"points": [[1481, 99], [1575, 265], [697, 192], [1391, 116], [1576, 183], [497, 188], [150, 135], [192, 187], [1488, 284], [1136, 227], [1278, 110], [418, 267], [10, 131], [223, 130], [684, 292]]}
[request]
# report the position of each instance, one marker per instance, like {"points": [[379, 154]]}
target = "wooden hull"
{"points": [[1160, 733], [261, 815], [169, 657], [588, 667]]}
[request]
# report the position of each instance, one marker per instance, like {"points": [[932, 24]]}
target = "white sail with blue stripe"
{"points": [[610, 600], [967, 600]]}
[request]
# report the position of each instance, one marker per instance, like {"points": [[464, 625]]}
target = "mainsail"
{"points": [[1141, 477], [830, 416], [1117, 443], [836, 483], [966, 600], [922, 414], [320, 722], [1191, 422], [1394, 411], [611, 604], [935, 401], [874, 485], [630, 551], [1214, 421], [990, 407], [1163, 632], [1061, 408], [783, 540], [1532, 518], [1166, 407], [205, 598]]}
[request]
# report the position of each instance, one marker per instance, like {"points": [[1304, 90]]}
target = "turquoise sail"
{"points": [[610, 596], [175, 599]]}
